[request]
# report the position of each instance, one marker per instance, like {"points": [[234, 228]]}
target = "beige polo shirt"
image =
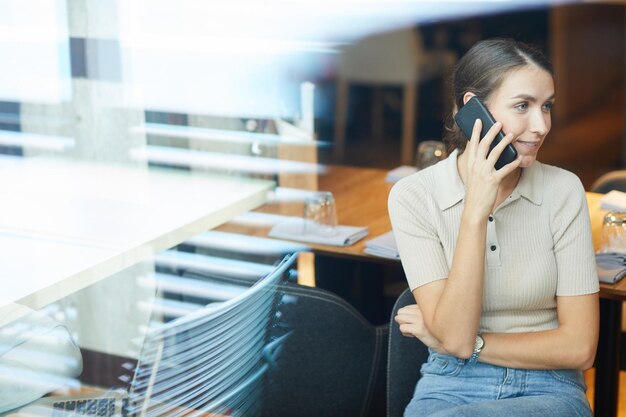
{"points": [[538, 242]]}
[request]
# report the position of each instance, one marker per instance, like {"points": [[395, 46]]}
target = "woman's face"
{"points": [[522, 104]]}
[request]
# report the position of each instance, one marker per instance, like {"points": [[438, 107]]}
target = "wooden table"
{"points": [[361, 199]]}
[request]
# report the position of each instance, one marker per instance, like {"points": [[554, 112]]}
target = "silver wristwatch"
{"points": [[479, 344]]}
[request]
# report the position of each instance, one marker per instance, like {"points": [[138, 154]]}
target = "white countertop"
{"points": [[65, 225]]}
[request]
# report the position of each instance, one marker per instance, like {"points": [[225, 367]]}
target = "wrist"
{"points": [[474, 218]]}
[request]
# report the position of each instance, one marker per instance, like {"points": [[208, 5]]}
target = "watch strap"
{"points": [[478, 347]]}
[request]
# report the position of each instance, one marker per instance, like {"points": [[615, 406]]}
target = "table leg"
{"points": [[608, 359]]}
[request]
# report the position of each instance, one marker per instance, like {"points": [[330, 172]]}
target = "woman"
{"points": [[500, 262]]}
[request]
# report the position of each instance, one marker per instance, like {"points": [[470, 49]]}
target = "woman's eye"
{"points": [[522, 106], [548, 106]]}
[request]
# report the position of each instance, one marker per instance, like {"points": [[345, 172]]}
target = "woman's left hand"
{"points": [[412, 324]]}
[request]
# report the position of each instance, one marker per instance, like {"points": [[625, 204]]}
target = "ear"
{"points": [[467, 96]]}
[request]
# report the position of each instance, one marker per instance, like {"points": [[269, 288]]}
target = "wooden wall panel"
{"points": [[587, 46]]}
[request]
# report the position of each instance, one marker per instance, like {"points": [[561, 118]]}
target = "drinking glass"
{"points": [[614, 232], [429, 153], [320, 214]]}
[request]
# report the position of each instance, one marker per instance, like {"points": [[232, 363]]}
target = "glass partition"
{"points": [[148, 149]]}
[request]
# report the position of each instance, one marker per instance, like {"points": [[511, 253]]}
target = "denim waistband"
{"points": [[446, 365]]}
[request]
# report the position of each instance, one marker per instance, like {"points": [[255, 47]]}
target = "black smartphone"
{"points": [[465, 119]]}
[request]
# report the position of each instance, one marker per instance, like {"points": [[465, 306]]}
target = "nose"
{"points": [[540, 123]]}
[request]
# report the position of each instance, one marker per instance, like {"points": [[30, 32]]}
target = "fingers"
{"points": [[510, 167], [410, 307], [411, 324], [485, 143], [479, 148], [406, 330], [482, 150], [409, 314], [472, 146], [497, 151], [475, 138], [410, 310]]}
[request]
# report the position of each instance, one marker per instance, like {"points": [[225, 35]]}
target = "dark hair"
{"points": [[482, 70]]}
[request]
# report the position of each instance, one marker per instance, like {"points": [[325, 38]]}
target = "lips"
{"points": [[529, 145]]}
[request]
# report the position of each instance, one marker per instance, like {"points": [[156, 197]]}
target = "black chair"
{"points": [[614, 180], [328, 360], [331, 362], [404, 359]]}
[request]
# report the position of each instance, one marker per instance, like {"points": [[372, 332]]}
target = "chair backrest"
{"points": [[404, 359], [614, 180], [325, 358], [213, 359], [332, 359]]}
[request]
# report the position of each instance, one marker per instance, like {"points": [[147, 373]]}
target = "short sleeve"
{"points": [[411, 210], [573, 244]]}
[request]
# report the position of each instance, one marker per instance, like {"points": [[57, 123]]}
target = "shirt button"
{"points": [[490, 218], [493, 247]]}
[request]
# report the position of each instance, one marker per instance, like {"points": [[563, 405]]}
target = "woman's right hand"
{"points": [[482, 180], [411, 322]]}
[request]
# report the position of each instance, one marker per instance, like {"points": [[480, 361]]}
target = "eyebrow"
{"points": [[530, 98]]}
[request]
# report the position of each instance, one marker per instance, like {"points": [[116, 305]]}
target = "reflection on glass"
{"points": [[220, 162], [200, 87], [33, 141], [614, 232], [35, 51], [213, 359], [206, 349], [37, 355]]}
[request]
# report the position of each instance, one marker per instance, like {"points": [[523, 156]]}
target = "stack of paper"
{"points": [[397, 174], [383, 246], [614, 201], [295, 228]]}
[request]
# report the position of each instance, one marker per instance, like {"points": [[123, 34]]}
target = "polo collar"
{"points": [[530, 185], [451, 190]]}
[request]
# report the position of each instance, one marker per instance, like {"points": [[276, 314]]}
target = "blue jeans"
{"points": [[451, 387]]}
